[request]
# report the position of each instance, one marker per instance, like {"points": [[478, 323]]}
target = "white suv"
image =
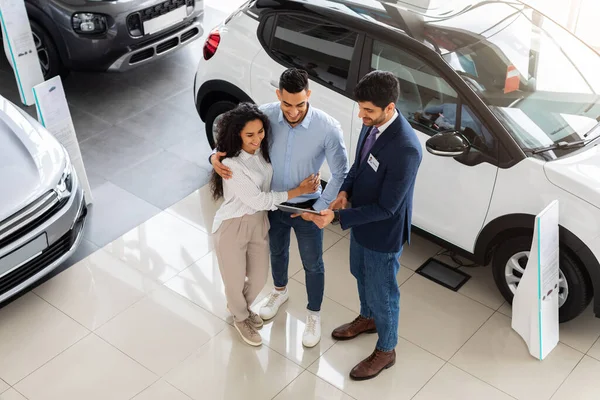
{"points": [[516, 96]]}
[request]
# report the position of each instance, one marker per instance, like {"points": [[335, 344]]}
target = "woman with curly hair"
{"points": [[241, 224]]}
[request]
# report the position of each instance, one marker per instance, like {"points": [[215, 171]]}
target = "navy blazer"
{"points": [[381, 212]]}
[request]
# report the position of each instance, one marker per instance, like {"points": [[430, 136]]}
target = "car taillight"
{"points": [[211, 45]]}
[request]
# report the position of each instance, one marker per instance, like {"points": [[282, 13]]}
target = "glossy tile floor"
{"points": [[145, 318]]}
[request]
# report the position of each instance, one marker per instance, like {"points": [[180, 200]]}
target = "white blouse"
{"points": [[249, 189]]}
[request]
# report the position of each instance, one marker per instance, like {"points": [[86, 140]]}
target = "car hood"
{"points": [[31, 159], [578, 174]]}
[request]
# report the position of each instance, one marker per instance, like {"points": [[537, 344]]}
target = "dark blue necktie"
{"points": [[369, 142]]}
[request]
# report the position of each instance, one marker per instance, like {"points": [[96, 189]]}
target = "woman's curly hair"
{"points": [[229, 140]]}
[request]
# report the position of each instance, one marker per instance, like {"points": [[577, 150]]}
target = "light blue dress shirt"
{"points": [[300, 151]]}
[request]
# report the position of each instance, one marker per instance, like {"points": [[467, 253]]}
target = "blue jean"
{"points": [[378, 290], [310, 244]]}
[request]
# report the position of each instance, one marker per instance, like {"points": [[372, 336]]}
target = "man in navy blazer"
{"points": [[380, 186]]}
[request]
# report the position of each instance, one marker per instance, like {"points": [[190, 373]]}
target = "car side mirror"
{"points": [[448, 144]]}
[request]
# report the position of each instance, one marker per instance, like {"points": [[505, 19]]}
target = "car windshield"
{"points": [[540, 81]]}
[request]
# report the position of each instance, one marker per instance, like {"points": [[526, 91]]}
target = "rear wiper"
{"points": [[561, 146]]}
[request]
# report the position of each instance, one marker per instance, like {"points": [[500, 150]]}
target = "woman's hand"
{"points": [[310, 184]]}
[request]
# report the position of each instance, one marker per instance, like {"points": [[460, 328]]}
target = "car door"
{"points": [[328, 52], [452, 196]]}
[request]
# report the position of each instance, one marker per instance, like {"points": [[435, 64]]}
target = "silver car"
{"points": [[42, 206]]}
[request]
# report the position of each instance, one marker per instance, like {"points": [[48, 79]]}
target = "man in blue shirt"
{"points": [[303, 137]]}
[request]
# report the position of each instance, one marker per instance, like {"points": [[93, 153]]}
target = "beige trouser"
{"points": [[242, 247]]}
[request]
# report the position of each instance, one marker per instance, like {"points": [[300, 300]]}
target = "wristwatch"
{"points": [[336, 215]]}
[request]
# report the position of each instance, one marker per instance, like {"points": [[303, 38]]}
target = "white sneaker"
{"points": [[276, 299], [312, 331]]}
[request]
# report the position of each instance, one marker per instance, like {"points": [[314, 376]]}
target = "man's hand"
{"points": [[220, 169], [340, 202], [321, 220]]}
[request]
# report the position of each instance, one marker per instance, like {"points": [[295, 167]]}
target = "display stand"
{"points": [[535, 304], [20, 48], [54, 115]]}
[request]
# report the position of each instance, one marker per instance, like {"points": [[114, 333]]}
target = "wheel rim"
{"points": [[515, 268], [214, 127], [43, 54]]}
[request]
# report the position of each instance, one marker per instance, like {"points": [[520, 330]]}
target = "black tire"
{"points": [[50, 61], [216, 109], [580, 290]]}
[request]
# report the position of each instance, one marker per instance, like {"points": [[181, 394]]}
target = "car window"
{"points": [[476, 132], [423, 93], [540, 81], [323, 49]]}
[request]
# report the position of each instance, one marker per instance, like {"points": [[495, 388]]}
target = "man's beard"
{"points": [[379, 121]]}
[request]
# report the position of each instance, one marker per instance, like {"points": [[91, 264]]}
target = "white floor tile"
{"points": [[595, 350], [309, 386], [202, 284], [419, 251], [506, 309], [161, 247], [12, 394], [228, 369], [284, 332], [91, 370], [161, 390], [340, 285], [453, 384], [481, 287], [338, 229], [414, 367], [32, 332], [498, 356], [582, 332], [161, 330], [198, 209], [3, 386], [438, 319], [96, 289], [583, 383]]}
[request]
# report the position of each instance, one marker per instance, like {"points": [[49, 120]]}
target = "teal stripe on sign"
{"points": [[12, 55], [37, 104], [539, 287]]}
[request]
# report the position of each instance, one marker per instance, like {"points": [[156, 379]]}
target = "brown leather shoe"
{"points": [[354, 328], [372, 366]]}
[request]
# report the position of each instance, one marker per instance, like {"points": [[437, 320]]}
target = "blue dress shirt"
{"points": [[300, 151]]}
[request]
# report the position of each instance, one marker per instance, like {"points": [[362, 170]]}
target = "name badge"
{"points": [[372, 161]]}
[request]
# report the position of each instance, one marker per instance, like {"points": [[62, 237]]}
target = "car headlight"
{"points": [[65, 184], [89, 23]]}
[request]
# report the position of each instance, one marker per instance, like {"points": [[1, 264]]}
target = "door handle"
{"points": [[275, 84]]}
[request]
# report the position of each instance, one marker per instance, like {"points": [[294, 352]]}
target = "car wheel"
{"points": [[212, 119], [47, 53], [510, 260]]}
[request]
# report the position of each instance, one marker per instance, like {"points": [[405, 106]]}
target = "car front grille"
{"points": [[189, 34], [47, 257], [30, 217], [142, 56], [166, 46], [135, 21]]}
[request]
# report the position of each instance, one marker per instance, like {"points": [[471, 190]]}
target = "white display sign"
{"points": [[53, 113], [535, 305], [20, 48]]}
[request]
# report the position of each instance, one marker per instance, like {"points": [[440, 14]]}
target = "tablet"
{"points": [[296, 210]]}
